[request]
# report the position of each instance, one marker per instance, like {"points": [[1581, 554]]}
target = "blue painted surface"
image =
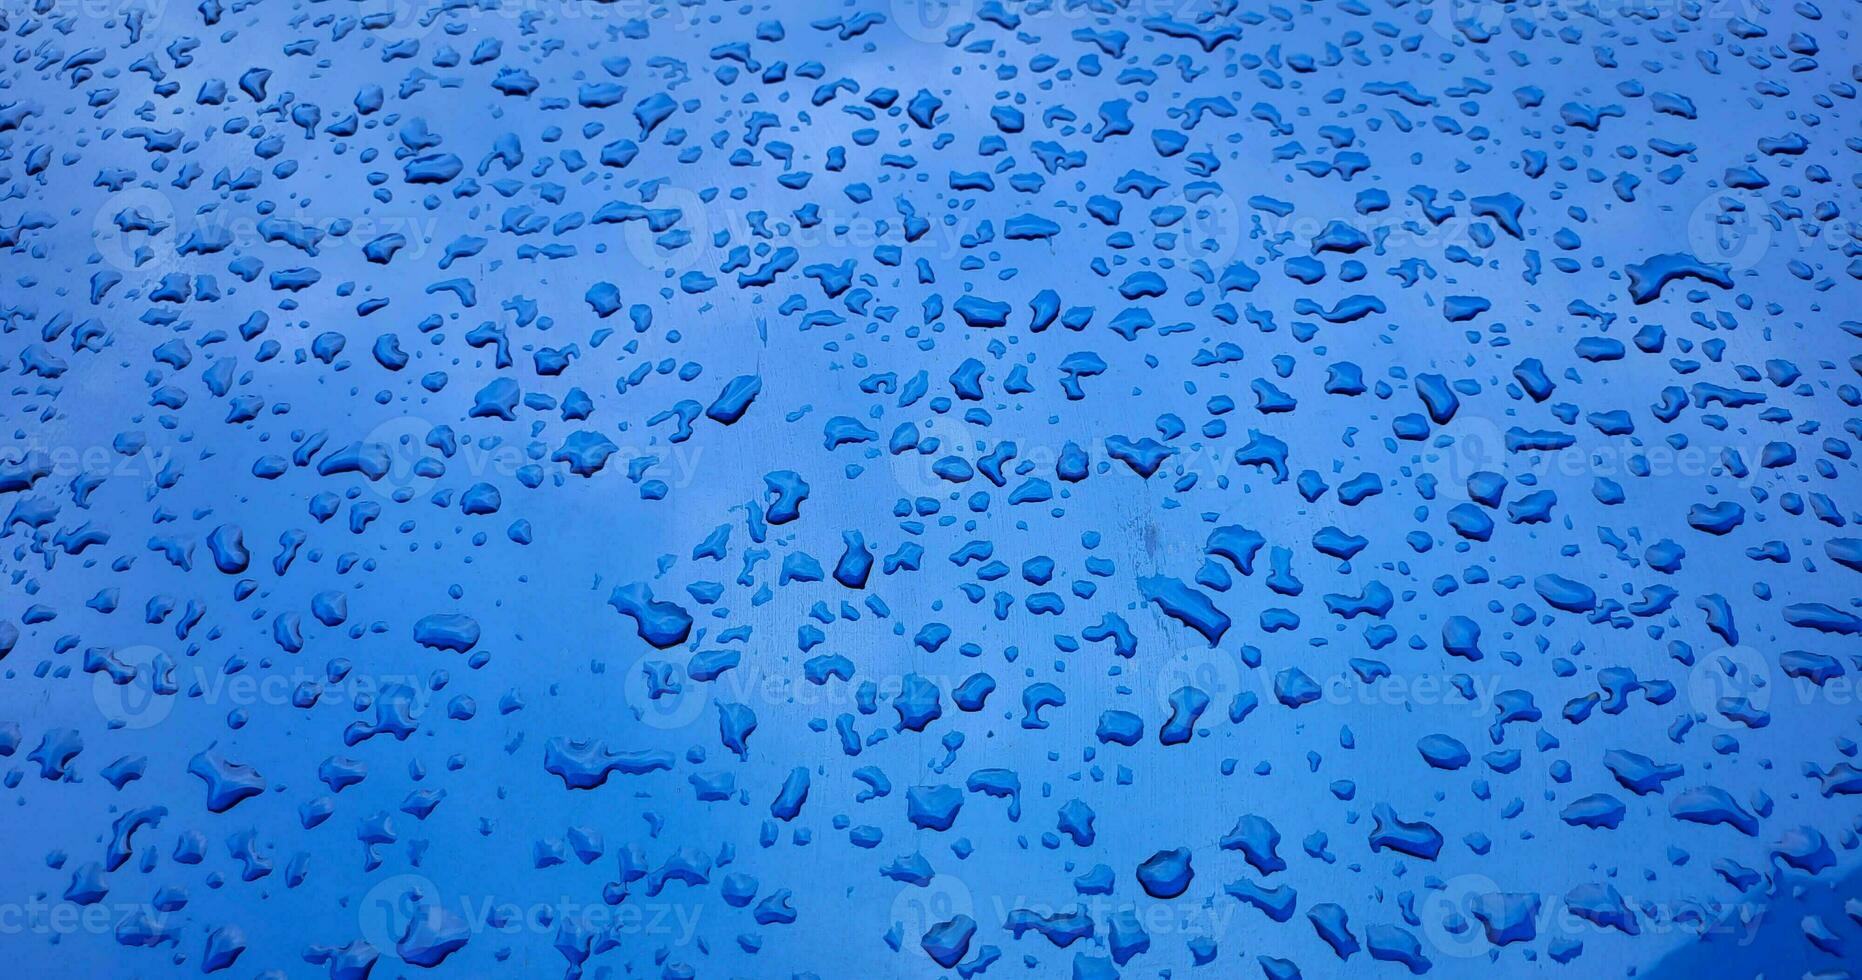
{"points": [[928, 489]]}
